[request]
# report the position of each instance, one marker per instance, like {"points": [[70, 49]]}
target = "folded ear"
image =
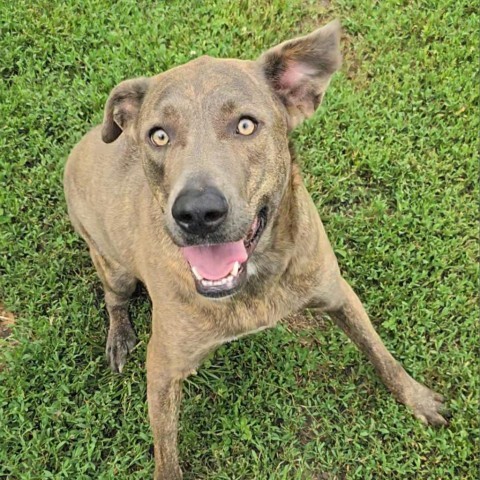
{"points": [[122, 107], [299, 70]]}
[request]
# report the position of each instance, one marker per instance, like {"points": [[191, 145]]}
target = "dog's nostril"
{"points": [[213, 216], [185, 218]]}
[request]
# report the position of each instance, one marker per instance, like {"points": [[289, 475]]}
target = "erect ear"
{"points": [[122, 107], [299, 70]]}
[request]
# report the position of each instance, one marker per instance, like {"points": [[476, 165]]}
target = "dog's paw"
{"points": [[120, 343], [427, 405]]}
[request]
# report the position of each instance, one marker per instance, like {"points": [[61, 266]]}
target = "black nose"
{"points": [[200, 211]]}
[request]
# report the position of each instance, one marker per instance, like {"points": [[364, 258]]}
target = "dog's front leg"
{"points": [[349, 314], [164, 393]]}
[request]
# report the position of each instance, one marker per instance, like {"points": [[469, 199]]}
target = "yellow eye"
{"points": [[159, 137], [246, 126]]}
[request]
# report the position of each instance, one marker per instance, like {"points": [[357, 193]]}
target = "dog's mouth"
{"points": [[220, 270]]}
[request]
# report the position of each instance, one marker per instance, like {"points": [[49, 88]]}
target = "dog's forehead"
{"points": [[211, 77]]}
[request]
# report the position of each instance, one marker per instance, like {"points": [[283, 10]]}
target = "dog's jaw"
{"points": [[251, 269]]}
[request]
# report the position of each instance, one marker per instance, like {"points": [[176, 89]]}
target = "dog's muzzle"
{"points": [[220, 270]]}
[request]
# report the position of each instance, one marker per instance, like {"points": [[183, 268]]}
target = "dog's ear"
{"points": [[122, 107], [300, 70]]}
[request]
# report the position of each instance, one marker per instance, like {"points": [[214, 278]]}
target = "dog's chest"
{"points": [[259, 313], [240, 335]]}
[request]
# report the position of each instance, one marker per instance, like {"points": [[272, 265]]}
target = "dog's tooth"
{"points": [[236, 267], [196, 274]]}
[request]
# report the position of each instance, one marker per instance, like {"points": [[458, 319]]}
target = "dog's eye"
{"points": [[246, 126], [159, 137]]}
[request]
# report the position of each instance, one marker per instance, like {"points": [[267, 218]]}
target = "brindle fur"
{"points": [[120, 192]]}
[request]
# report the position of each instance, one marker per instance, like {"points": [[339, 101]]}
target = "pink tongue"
{"points": [[214, 262]]}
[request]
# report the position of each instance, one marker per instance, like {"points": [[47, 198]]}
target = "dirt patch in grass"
{"points": [[307, 320], [315, 15], [351, 61], [7, 320]]}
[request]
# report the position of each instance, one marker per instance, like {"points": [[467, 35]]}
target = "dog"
{"points": [[190, 187]]}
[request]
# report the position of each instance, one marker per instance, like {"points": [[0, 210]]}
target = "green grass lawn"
{"points": [[390, 160]]}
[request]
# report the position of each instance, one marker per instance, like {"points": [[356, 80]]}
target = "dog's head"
{"points": [[213, 137]]}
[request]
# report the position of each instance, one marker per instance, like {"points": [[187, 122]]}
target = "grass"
{"points": [[390, 160]]}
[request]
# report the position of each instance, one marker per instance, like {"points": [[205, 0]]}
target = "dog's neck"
{"points": [[279, 250], [285, 225], [296, 231]]}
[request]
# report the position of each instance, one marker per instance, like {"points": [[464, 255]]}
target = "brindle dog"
{"points": [[189, 186]]}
